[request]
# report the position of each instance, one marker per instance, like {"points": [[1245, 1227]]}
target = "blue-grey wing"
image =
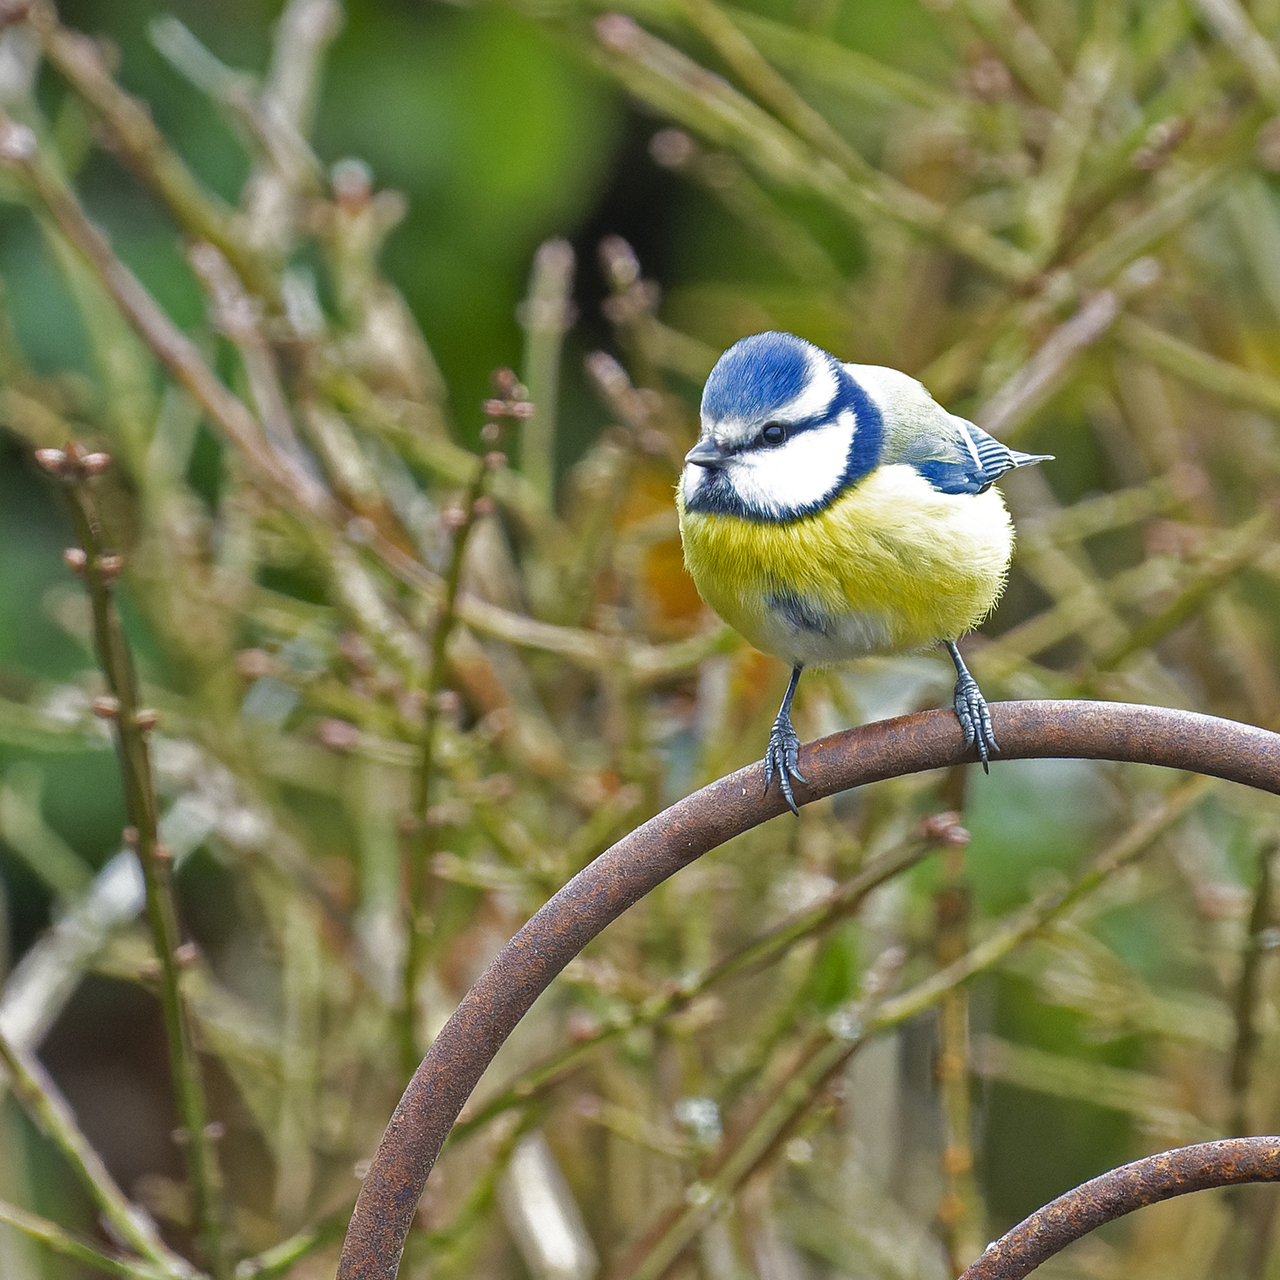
{"points": [[964, 460], [951, 453]]}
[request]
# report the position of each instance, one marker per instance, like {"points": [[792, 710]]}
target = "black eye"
{"points": [[774, 433]]}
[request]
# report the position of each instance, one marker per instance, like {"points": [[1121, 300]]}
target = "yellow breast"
{"points": [[892, 564]]}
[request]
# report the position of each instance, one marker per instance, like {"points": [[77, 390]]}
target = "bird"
{"points": [[830, 510]]}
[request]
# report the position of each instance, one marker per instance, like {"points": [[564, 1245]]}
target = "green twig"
{"points": [[99, 571], [421, 842], [199, 213], [280, 1257], [1255, 948], [545, 316], [40, 1096], [60, 1241]]}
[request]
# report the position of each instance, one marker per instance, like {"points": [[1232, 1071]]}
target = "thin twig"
{"points": [[281, 1257], [179, 355], [67, 1245], [672, 82], [1247, 1035], [421, 845], [99, 570], [200, 213], [40, 1096], [545, 315]]}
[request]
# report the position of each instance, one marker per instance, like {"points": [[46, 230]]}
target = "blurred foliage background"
{"points": [[419, 656]]}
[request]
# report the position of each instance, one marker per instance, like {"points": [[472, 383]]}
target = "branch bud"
{"points": [[53, 461], [146, 719], [110, 566], [75, 559], [106, 707], [17, 142], [94, 464]]}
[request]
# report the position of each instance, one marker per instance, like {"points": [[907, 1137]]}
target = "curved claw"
{"points": [[975, 719], [783, 757]]}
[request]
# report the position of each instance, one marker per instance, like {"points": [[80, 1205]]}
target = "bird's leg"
{"points": [[783, 754], [971, 709]]}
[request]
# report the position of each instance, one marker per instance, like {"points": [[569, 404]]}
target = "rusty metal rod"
{"points": [[1160, 1177], [623, 874]]}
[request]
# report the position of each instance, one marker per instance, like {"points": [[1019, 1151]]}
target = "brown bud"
{"points": [[110, 566], [106, 707], [495, 460], [180, 1137], [253, 663], [449, 703], [522, 409], [490, 433], [146, 719], [617, 31], [94, 464], [130, 837], [17, 143], [361, 530], [215, 1130], [75, 559], [453, 518], [483, 505], [495, 408], [338, 735], [672, 148], [187, 954], [504, 382], [945, 829], [162, 854], [53, 461]]}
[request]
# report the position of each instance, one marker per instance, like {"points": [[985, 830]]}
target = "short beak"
{"points": [[706, 453]]}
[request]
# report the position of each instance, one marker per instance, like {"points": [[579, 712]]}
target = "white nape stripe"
{"points": [[801, 474], [819, 390]]}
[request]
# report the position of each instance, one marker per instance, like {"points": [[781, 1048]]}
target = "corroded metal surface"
{"points": [[623, 874], [1160, 1177]]}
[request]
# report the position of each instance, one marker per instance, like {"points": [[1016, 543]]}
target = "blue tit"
{"points": [[834, 510]]}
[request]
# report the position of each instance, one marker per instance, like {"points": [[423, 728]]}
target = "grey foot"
{"points": [[975, 719], [783, 757]]}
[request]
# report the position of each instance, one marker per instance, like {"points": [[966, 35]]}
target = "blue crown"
{"points": [[758, 375]]}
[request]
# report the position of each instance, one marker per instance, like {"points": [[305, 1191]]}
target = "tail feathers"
{"points": [[1028, 459]]}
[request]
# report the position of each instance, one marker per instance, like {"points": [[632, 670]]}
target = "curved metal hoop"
{"points": [[623, 874], [1228, 1163]]}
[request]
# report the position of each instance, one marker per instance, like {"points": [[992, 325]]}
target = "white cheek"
{"points": [[690, 482], [804, 472]]}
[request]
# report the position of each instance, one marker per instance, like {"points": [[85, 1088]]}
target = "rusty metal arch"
{"points": [[623, 874]]}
